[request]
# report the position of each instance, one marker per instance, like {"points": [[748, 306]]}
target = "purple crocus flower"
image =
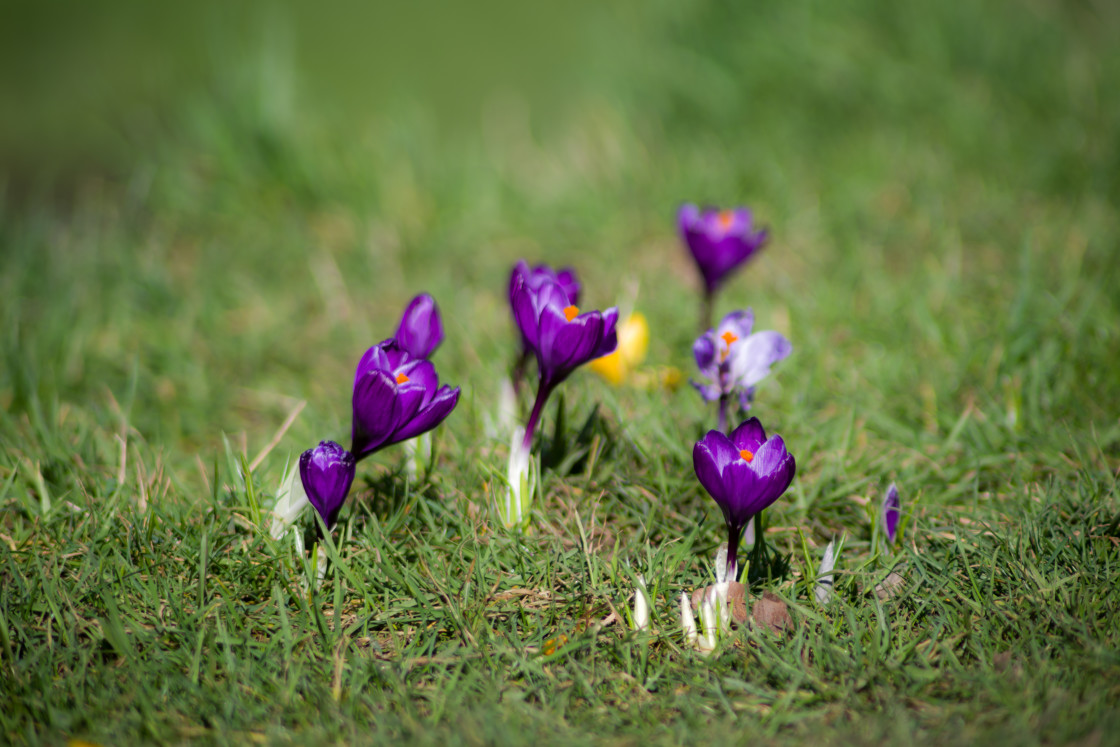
{"points": [[552, 326], [733, 361], [563, 339], [745, 473], [396, 397], [720, 241], [327, 471], [421, 329], [890, 512], [533, 278]]}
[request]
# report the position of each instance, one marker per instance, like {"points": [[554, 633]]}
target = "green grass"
{"points": [[941, 186]]}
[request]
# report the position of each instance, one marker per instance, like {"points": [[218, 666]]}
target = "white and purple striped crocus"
{"points": [[732, 361], [744, 473]]}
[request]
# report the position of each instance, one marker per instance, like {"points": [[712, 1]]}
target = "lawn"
{"points": [[196, 255]]}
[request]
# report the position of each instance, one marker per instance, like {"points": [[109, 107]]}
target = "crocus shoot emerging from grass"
{"points": [[890, 512], [732, 361], [327, 471], [562, 339], [745, 473], [720, 241]]}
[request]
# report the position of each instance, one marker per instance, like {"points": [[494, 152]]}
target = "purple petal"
{"points": [[704, 350], [749, 436], [573, 344], [709, 392], [710, 455], [373, 359], [434, 413], [752, 358], [421, 329], [739, 323], [891, 512], [745, 493], [375, 411], [520, 271], [525, 312], [771, 458], [610, 333], [327, 471], [568, 280]]}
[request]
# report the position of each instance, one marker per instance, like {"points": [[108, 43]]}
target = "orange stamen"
{"points": [[571, 312], [728, 337], [726, 218], [402, 379], [746, 455]]}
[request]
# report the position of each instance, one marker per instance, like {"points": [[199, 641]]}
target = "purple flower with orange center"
{"points": [[534, 278], [720, 241], [395, 398], [744, 473], [733, 361], [562, 339], [421, 328], [327, 472]]}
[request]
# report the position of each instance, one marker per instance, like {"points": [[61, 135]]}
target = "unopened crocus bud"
{"points": [[688, 621], [890, 512], [641, 605], [327, 471], [421, 328], [291, 499], [823, 588]]}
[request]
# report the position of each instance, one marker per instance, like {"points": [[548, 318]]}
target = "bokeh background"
{"points": [[211, 209]]}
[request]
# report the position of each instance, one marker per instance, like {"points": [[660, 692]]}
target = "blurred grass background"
{"points": [[208, 212]]}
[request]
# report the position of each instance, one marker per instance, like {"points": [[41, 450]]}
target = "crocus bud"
{"points": [[641, 605], [688, 622], [327, 472], [421, 329], [890, 512], [823, 589], [291, 499]]}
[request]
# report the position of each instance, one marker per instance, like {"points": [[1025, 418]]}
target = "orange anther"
{"points": [[746, 455], [402, 379], [726, 218], [729, 337], [571, 312]]}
